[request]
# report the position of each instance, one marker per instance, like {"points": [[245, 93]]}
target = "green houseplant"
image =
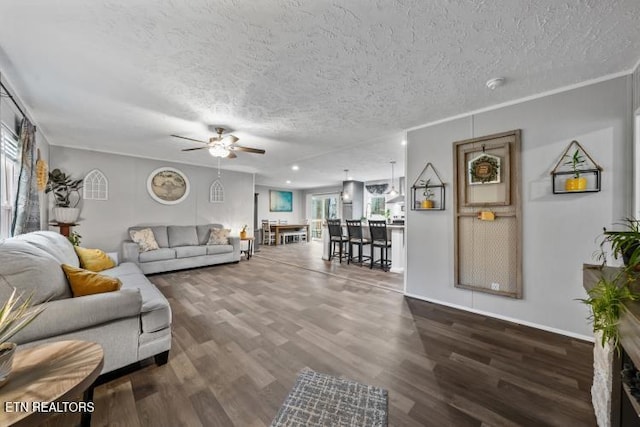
{"points": [[624, 243], [66, 193], [576, 161], [607, 302], [15, 314]]}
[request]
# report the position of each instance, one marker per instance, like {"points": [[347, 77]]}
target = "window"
{"points": [[95, 186], [377, 205], [8, 178]]}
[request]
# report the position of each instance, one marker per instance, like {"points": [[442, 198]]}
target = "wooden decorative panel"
{"points": [[488, 250]]}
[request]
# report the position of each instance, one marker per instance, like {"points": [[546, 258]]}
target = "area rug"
{"points": [[318, 399]]}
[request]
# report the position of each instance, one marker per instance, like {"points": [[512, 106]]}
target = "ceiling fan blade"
{"points": [[247, 149], [232, 155], [192, 149], [190, 139]]}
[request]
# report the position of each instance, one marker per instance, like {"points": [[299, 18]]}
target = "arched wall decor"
{"points": [[95, 186], [216, 192]]}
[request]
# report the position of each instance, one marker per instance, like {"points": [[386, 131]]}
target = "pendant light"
{"points": [[393, 191]]}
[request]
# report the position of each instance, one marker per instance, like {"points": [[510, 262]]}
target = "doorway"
{"points": [[323, 207]]}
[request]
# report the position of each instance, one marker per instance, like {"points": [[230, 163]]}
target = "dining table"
{"points": [[278, 228]]}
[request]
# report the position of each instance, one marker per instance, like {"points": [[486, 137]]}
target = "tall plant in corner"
{"points": [[66, 193]]}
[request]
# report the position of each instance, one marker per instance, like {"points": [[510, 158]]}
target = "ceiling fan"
{"points": [[221, 146]]}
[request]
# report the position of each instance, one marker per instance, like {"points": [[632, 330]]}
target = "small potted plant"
{"points": [[577, 182], [74, 238], [14, 316], [66, 193], [428, 194], [624, 243], [243, 232]]}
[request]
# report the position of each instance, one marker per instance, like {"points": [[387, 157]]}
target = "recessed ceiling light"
{"points": [[496, 82], [288, 182], [295, 167], [404, 142]]}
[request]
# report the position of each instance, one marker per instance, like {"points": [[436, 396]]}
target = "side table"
{"points": [[46, 374], [249, 251], [64, 227]]}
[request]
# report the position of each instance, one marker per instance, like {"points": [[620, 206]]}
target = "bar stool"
{"points": [[354, 230], [379, 239], [336, 237]]}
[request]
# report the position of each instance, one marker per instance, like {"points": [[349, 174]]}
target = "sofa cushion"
{"points": [[219, 249], [145, 239], [182, 235], [204, 231], [55, 244], [29, 269], [84, 282], [156, 312], [157, 255], [219, 236], [94, 259], [189, 251], [122, 270]]}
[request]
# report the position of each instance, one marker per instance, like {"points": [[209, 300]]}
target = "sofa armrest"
{"points": [[130, 251], [235, 242], [72, 314]]}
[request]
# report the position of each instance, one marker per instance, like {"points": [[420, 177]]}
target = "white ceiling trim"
{"points": [[525, 99]]}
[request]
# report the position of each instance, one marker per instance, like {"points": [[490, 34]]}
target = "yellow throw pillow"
{"points": [[84, 282], [94, 259], [219, 236]]}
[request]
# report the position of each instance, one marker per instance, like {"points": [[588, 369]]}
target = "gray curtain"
{"points": [[26, 216]]}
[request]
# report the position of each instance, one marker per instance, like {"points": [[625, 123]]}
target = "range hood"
{"points": [[400, 197]]}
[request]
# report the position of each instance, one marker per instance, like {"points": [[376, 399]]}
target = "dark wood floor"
{"points": [[309, 256], [241, 333]]}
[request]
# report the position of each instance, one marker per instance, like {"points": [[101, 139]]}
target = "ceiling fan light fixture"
{"points": [[218, 151]]}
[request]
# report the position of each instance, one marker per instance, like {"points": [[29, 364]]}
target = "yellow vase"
{"points": [[243, 234], [575, 184], [427, 204]]}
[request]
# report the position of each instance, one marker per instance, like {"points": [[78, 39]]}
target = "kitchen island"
{"points": [[396, 236]]}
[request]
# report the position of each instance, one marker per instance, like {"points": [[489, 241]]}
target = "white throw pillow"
{"points": [[219, 236], [145, 239]]}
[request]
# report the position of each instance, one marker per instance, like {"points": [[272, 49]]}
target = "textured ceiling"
{"points": [[325, 85]]}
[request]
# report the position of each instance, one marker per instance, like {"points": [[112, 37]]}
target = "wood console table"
{"points": [[49, 373]]}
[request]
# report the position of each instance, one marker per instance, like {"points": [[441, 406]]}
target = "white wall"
{"points": [[559, 231], [297, 216], [104, 224]]}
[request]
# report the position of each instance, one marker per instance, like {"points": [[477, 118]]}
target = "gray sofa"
{"points": [[180, 246], [131, 324]]}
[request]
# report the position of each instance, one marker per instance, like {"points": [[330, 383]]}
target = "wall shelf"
{"points": [[575, 172], [428, 186]]}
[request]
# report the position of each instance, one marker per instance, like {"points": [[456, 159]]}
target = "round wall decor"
{"points": [[168, 186]]}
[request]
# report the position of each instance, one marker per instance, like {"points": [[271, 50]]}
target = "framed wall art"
{"points": [[168, 186], [280, 201]]}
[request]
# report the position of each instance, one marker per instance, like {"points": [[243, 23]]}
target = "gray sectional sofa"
{"points": [[180, 247], [131, 324]]}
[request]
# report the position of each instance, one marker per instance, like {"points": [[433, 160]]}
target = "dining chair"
{"points": [[337, 238], [380, 239], [354, 231], [268, 237]]}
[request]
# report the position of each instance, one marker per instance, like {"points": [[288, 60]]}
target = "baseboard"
{"points": [[505, 318]]}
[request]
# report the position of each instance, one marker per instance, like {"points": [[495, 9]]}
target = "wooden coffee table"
{"points": [[54, 372]]}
